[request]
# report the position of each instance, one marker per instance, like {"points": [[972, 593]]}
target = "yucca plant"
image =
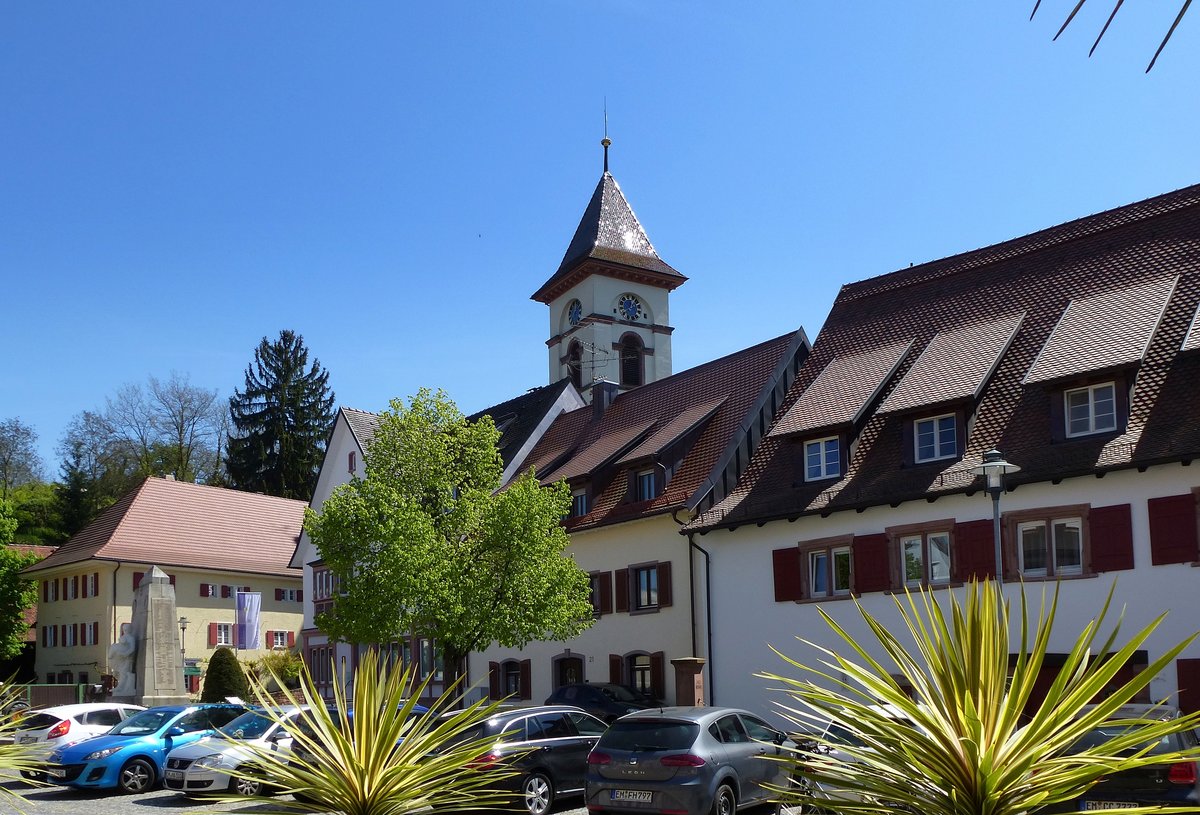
{"points": [[385, 758], [15, 758], [972, 739]]}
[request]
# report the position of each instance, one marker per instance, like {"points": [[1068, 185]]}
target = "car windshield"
{"points": [[639, 735], [250, 725], [619, 693], [147, 721], [1104, 734]]}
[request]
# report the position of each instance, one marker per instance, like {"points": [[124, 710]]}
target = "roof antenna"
{"points": [[606, 141]]}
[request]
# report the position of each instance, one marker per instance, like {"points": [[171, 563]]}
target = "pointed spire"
{"points": [[605, 142]]}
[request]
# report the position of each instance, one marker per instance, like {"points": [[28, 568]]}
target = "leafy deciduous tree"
{"points": [[19, 460], [280, 421], [427, 542], [36, 509], [16, 592]]}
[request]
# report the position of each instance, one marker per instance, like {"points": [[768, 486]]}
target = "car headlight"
{"points": [[210, 760], [105, 753]]}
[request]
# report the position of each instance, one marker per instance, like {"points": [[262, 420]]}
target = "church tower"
{"points": [[609, 316]]}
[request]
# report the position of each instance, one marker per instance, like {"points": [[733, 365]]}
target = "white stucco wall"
{"points": [[747, 620]]}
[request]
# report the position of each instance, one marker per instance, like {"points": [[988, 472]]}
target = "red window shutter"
{"points": [[1110, 530], [95, 633], [62, 589], [785, 566], [75, 633], [137, 579], [300, 595], [1187, 672], [291, 640], [171, 577], [95, 583], [204, 589], [615, 664], [269, 640], [494, 680], [45, 592], [974, 553], [526, 679], [1172, 529], [62, 633], [75, 585], [45, 637], [212, 634], [871, 564], [664, 584], [606, 587], [622, 590], [226, 592], [278, 594], [245, 589], [658, 678]]}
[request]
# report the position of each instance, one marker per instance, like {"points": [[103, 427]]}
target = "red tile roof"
{"points": [[728, 390], [1192, 341], [954, 366], [1103, 331], [174, 523], [1133, 250], [843, 390]]}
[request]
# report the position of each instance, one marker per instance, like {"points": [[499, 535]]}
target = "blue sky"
{"points": [[393, 180]]}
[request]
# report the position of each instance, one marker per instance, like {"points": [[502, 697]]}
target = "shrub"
{"points": [[387, 759], [973, 751], [278, 669], [224, 678]]}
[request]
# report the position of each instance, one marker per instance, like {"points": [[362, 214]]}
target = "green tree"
{"points": [[280, 421], [19, 460], [428, 543], [973, 750], [17, 593], [37, 511], [224, 677]]}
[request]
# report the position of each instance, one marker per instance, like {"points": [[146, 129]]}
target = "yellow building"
{"points": [[212, 542]]}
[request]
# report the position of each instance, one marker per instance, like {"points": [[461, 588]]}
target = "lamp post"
{"points": [[183, 624], [994, 468]]}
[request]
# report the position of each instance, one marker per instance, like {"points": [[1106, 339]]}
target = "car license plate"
{"points": [[56, 772], [174, 775], [639, 796], [26, 739], [1091, 806]]}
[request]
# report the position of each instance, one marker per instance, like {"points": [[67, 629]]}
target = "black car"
{"points": [[1168, 784], [547, 746], [603, 699]]}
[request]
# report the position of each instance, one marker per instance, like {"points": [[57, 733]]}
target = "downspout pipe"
{"points": [[707, 605]]}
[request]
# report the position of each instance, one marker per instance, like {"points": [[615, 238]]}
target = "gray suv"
{"points": [[686, 759]]}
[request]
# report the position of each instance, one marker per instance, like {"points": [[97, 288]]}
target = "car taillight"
{"points": [[485, 762], [599, 758], [681, 760], [60, 729], [1182, 773]]}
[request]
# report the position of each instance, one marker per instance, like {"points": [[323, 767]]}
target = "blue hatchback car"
{"points": [[130, 757]]}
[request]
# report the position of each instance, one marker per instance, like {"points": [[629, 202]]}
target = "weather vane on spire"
{"points": [[606, 141]]}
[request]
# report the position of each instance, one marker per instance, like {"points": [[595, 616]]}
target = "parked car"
{"points": [[130, 757], [547, 747], [693, 760], [1176, 784], [208, 765], [835, 739], [63, 724], [604, 700]]}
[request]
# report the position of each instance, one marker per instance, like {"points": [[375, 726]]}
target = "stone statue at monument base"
{"points": [[147, 658]]}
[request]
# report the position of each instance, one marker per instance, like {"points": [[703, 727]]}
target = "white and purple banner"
{"points": [[249, 610]]}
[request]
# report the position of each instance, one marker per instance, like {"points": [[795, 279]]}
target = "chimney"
{"points": [[169, 476], [603, 394]]}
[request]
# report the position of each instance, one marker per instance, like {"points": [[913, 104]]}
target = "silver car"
{"points": [[693, 760], [209, 765]]}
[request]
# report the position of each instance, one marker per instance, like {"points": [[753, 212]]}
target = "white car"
{"points": [[65, 724], [204, 766]]}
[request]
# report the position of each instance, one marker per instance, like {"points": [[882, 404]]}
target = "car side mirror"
{"points": [[176, 731], [780, 737]]}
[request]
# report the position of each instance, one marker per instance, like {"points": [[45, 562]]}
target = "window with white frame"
{"points": [[1092, 409], [828, 571], [224, 633], [90, 589], [291, 595], [640, 675], [52, 594], [579, 503], [1050, 547], [926, 558], [822, 459], [69, 588], [279, 639], [646, 485], [935, 438], [69, 632]]}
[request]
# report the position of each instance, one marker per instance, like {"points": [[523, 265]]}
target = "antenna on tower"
{"points": [[606, 141]]}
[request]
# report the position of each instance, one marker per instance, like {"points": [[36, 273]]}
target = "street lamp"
{"points": [[183, 624], [994, 468]]}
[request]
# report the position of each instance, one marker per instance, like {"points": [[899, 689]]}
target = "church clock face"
{"points": [[575, 312], [629, 307]]}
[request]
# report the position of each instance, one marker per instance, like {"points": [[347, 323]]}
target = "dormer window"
{"points": [[1092, 409], [579, 503], [935, 438], [647, 485], [822, 458]]}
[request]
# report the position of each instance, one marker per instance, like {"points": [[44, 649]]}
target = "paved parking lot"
{"points": [[67, 801]]}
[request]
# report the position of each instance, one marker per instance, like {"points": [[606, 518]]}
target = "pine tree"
{"points": [[280, 421], [224, 678]]}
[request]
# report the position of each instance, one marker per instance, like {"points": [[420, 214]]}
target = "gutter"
{"points": [[707, 604]]}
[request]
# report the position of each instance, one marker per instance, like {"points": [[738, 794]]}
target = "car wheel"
{"points": [[537, 793], [29, 775], [136, 776], [242, 785], [724, 803]]}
